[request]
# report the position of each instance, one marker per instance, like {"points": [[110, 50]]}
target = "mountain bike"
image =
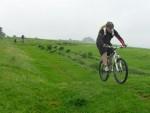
{"points": [[116, 65]]}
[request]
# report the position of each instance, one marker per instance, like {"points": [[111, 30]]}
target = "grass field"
{"points": [[37, 79]]}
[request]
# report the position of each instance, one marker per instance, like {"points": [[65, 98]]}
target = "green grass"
{"points": [[33, 80]]}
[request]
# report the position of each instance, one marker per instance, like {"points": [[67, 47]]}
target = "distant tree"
{"points": [[15, 40], [70, 39], [23, 37], [88, 40], [14, 36], [8, 36], [2, 34]]}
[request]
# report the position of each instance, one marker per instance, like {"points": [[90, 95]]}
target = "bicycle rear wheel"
{"points": [[120, 71], [103, 74]]}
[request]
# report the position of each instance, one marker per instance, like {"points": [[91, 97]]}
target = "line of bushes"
{"points": [[75, 56], [54, 48]]}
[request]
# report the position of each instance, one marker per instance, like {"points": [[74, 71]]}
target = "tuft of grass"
{"points": [[49, 47], [55, 47], [68, 51], [90, 54], [80, 61], [61, 48], [41, 46], [84, 55], [78, 102]]}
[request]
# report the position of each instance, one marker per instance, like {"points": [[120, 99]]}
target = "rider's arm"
{"points": [[119, 38], [100, 37]]}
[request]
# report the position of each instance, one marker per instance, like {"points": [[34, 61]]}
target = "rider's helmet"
{"points": [[110, 25]]}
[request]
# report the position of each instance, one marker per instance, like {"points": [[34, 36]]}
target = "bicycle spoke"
{"points": [[121, 72]]}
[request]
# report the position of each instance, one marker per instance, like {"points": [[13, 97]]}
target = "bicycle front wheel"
{"points": [[120, 71]]}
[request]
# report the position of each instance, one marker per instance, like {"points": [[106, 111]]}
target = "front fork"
{"points": [[113, 62], [117, 65]]}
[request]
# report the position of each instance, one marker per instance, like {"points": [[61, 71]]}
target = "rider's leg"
{"points": [[104, 58]]}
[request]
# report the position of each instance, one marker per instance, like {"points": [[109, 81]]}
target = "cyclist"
{"points": [[106, 33]]}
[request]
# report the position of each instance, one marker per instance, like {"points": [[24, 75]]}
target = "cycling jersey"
{"points": [[105, 37]]}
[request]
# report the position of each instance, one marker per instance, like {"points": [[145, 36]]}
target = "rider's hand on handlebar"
{"points": [[124, 46]]}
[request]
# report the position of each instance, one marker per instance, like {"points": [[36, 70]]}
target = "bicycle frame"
{"points": [[113, 60]]}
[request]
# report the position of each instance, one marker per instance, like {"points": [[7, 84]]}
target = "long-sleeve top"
{"points": [[105, 38]]}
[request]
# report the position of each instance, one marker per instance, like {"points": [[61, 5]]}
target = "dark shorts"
{"points": [[102, 50]]}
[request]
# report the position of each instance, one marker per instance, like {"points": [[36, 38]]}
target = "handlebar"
{"points": [[113, 47]]}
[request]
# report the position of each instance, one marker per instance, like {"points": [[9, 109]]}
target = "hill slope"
{"points": [[33, 80]]}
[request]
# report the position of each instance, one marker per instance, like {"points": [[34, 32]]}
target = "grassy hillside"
{"points": [[42, 76]]}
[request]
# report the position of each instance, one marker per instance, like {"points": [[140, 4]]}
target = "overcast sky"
{"points": [[76, 19]]}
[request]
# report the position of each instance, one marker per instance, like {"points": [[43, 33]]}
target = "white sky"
{"points": [[76, 19]]}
